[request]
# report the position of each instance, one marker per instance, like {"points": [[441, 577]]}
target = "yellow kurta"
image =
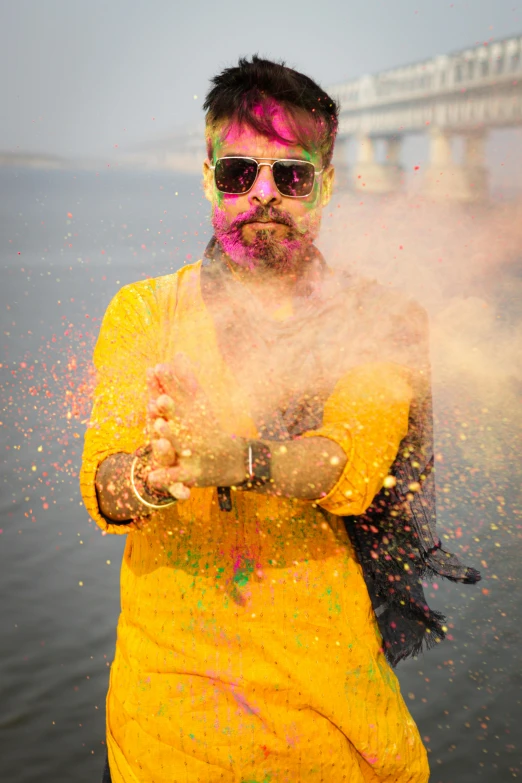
{"points": [[247, 647]]}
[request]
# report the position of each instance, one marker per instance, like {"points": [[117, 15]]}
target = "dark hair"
{"points": [[238, 91]]}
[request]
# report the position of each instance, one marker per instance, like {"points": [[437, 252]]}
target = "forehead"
{"points": [[235, 138]]}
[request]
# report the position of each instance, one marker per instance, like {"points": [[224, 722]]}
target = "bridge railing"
{"points": [[471, 68]]}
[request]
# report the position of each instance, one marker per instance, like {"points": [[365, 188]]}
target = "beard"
{"points": [[266, 248]]}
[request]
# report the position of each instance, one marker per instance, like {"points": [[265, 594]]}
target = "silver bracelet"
{"points": [[142, 500]]}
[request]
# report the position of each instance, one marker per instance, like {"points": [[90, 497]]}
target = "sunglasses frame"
{"points": [[264, 162]]}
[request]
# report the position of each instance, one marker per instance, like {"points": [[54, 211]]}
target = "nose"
{"points": [[264, 190]]}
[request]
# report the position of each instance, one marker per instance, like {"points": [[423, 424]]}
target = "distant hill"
{"points": [[33, 160]]}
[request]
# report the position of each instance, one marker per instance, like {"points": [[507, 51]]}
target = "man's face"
{"points": [[262, 228]]}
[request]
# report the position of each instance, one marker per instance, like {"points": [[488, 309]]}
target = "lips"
{"points": [[265, 223], [263, 220]]}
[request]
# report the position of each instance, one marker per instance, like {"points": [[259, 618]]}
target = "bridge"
{"points": [[466, 93]]}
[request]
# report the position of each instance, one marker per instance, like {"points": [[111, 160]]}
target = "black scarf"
{"points": [[395, 539]]}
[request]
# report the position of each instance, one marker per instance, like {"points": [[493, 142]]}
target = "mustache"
{"points": [[263, 214]]}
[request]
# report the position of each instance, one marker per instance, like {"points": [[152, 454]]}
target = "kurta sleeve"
{"points": [[126, 347], [367, 415]]}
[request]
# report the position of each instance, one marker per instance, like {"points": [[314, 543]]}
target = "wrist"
{"points": [[233, 466], [257, 459]]}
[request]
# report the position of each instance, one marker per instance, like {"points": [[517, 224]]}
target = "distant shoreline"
{"points": [[182, 164]]}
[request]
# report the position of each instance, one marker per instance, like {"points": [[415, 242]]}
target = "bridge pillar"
{"points": [[445, 180], [373, 177], [475, 165], [393, 150]]}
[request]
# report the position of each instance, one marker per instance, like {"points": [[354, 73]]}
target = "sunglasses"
{"points": [[237, 175]]}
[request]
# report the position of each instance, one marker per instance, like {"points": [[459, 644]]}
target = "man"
{"points": [[245, 434]]}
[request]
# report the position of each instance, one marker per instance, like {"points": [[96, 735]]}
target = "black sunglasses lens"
{"points": [[294, 178], [235, 175]]}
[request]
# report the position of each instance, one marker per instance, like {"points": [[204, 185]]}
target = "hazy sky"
{"points": [[79, 76]]}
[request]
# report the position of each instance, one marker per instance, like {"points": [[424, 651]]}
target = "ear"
{"points": [[208, 181], [328, 182]]}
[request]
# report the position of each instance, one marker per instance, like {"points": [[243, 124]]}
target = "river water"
{"points": [[68, 242]]}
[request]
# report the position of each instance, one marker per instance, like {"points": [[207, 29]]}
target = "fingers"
{"points": [[166, 379], [178, 376], [179, 491], [173, 380], [175, 432], [152, 410], [165, 477], [163, 452], [160, 410], [181, 395], [153, 385], [163, 429], [165, 406]]}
